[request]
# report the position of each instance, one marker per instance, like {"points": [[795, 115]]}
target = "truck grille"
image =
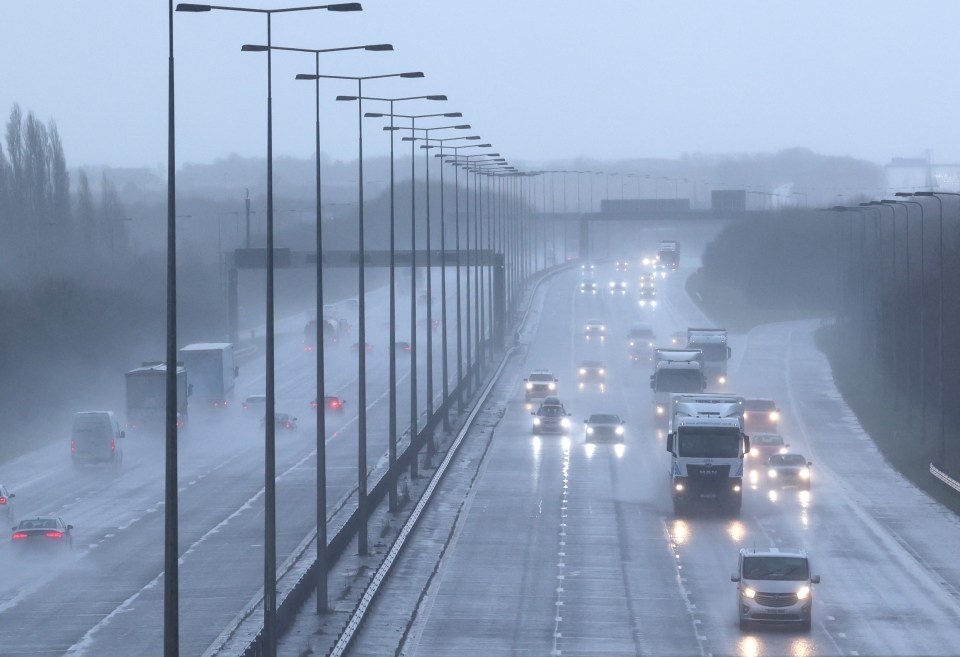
{"points": [[707, 472], [776, 599]]}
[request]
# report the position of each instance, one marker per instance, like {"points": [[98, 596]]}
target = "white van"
{"points": [[96, 438]]}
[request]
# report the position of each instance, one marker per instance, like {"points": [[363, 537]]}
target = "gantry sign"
{"points": [[290, 259]]}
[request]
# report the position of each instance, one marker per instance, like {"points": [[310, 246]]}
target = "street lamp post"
{"points": [[392, 391], [362, 511], [270, 501], [321, 465]]}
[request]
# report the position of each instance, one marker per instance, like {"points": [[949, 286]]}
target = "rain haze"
{"points": [[633, 336], [545, 80]]}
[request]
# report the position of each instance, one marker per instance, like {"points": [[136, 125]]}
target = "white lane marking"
{"points": [[80, 647]]}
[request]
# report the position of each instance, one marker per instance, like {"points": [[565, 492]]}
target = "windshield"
{"points": [[788, 569], [541, 378], [760, 405], [764, 441], [604, 419], [551, 411], [709, 442], [679, 381], [787, 459]]}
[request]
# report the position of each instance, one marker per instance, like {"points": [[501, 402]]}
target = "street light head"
{"points": [[379, 47], [346, 97], [407, 139], [903, 194], [186, 6], [484, 145], [345, 6], [392, 128], [373, 115], [415, 74], [436, 97], [473, 137], [250, 48], [924, 194], [306, 76], [452, 115], [465, 126]]}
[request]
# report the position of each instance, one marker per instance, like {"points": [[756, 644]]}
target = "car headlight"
{"points": [[805, 473], [643, 302], [746, 415], [565, 422], [529, 386], [754, 451], [803, 593], [679, 487], [772, 474], [748, 592], [602, 371], [583, 370], [774, 416], [722, 380], [590, 430], [653, 304], [649, 344], [631, 343], [603, 328], [536, 422], [612, 283], [783, 450], [659, 410], [619, 431], [552, 386]]}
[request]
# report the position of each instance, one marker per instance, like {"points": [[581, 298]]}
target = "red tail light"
{"points": [[313, 404], [19, 535], [308, 348], [287, 425], [54, 535], [335, 403], [113, 445], [3, 500], [73, 446]]}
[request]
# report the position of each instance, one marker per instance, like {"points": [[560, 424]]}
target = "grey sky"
{"points": [[540, 79]]}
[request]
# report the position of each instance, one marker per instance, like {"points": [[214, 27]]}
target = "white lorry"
{"points": [[675, 370], [211, 371], [713, 343], [706, 462], [706, 404]]}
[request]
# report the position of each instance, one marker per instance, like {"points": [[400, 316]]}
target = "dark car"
{"points": [[356, 347], [604, 426], [330, 403], [402, 345], [640, 343], [588, 286], [42, 533], [760, 416], [281, 421], [621, 265], [6, 502], [789, 470], [648, 297], [551, 417]]}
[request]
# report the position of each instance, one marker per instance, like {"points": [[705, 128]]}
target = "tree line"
{"points": [[47, 230]]}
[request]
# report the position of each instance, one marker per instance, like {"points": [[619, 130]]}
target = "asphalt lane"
{"points": [[106, 597], [569, 548]]}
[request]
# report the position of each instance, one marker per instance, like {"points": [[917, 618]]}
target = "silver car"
{"points": [[774, 586]]}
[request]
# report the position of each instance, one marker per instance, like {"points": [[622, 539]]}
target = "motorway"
{"points": [[105, 598], [565, 548]]}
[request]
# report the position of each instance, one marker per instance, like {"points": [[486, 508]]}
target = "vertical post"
{"points": [[321, 583], [269, 461], [392, 448], [456, 187], [429, 270], [362, 351], [414, 354], [443, 300], [171, 556], [246, 204]]}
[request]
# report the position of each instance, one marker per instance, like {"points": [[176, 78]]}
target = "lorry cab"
{"points": [[706, 466], [95, 438]]}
